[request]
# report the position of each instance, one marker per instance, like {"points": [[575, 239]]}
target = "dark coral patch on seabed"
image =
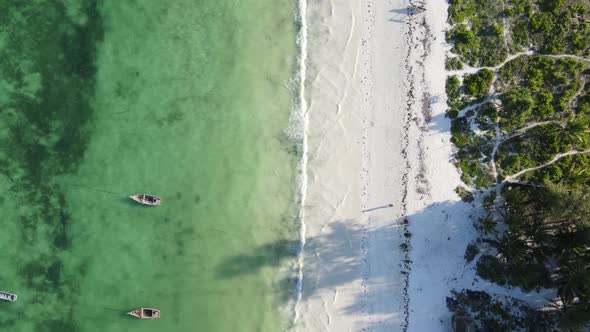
{"points": [[48, 69]]}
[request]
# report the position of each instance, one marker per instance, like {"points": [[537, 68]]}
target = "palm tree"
{"points": [[488, 225], [575, 133], [569, 206], [515, 255], [572, 280]]}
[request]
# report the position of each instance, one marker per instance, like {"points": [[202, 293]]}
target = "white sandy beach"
{"points": [[379, 153], [370, 146], [359, 120]]}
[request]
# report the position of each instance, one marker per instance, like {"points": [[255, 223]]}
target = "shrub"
{"points": [[544, 107], [579, 9], [542, 22], [492, 50], [460, 135], [580, 41], [453, 64], [461, 35], [484, 181], [466, 195], [471, 251], [490, 268], [518, 105], [535, 78], [497, 30], [466, 43], [488, 201], [452, 113], [452, 87], [487, 225], [468, 167], [461, 139], [552, 5], [489, 110], [520, 33], [479, 83]]}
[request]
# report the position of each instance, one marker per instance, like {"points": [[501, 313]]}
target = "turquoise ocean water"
{"points": [[188, 100]]}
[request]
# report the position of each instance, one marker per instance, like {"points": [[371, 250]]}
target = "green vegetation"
{"points": [[460, 132], [452, 87], [499, 313], [466, 195], [488, 201], [477, 39], [484, 32], [529, 120], [518, 106], [453, 64], [471, 251], [478, 84], [555, 84], [476, 174], [572, 171], [487, 225], [551, 96], [547, 244], [555, 28], [539, 145]]}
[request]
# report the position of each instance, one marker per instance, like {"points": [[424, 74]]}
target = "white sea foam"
{"points": [[298, 128]]}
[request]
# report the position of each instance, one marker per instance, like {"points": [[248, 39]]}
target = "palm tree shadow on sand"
{"points": [[336, 260]]}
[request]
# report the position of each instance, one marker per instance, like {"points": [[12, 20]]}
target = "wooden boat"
{"points": [[7, 296], [146, 199], [145, 313]]}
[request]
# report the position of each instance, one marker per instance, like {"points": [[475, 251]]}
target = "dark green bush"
{"points": [[453, 64], [471, 251], [518, 105], [488, 109], [542, 22], [488, 201], [460, 133], [544, 107], [478, 84], [452, 87], [552, 6], [580, 41], [584, 108], [487, 225], [535, 78], [490, 268], [452, 113], [466, 195], [520, 33], [497, 30], [484, 181]]}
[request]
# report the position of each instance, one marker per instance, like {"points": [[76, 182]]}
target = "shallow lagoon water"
{"points": [[187, 100]]}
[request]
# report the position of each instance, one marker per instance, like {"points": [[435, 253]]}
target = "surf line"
{"points": [[303, 121]]}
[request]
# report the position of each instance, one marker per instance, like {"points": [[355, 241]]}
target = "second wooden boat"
{"points": [[145, 313], [7, 296], [146, 199]]}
